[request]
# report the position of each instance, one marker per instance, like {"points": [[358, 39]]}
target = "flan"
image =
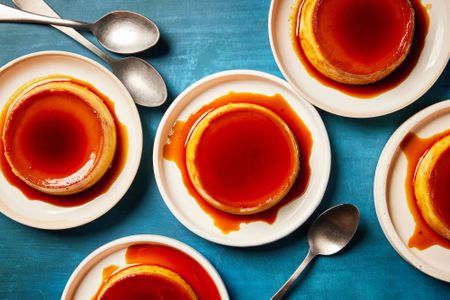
{"points": [[242, 158], [146, 282], [432, 187], [356, 42], [59, 137]]}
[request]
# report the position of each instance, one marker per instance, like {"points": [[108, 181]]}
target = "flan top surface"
{"points": [[242, 158], [59, 137], [432, 187], [146, 282], [363, 37]]}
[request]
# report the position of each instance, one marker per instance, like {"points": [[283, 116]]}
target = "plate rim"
{"points": [[139, 144], [83, 266], [336, 110], [156, 153], [380, 185]]}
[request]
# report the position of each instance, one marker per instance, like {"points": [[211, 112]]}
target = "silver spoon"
{"points": [[120, 31], [144, 83], [329, 234]]}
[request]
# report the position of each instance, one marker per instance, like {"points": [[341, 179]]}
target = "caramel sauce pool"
{"points": [[415, 148], [422, 23], [169, 258], [175, 150], [75, 145]]}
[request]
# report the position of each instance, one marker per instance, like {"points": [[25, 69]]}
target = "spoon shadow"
{"points": [[161, 49]]}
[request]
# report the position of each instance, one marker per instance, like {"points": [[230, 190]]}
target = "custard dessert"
{"points": [[356, 41], [242, 158], [432, 187], [146, 282], [59, 137]]}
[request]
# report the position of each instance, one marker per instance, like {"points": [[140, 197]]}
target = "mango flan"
{"points": [[356, 42], [432, 187], [242, 158], [146, 282], [59, 137]]}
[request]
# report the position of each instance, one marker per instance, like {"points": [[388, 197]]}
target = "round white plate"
{"points": [[87, 277], [389, 192], [41, 214], [432, 61], [186, 209]]}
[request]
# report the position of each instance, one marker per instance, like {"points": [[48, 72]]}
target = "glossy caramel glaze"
{"points": [[175, 150], [53, 126], [172, 259], [43, 148], [365, 38], [415, 148], [146, 282], [242, 158], [360, 53]]}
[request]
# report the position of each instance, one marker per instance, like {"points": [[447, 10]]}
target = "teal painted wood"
{"points": [[198, 38]]}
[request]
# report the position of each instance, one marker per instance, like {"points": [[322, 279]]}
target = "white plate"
{"points": [[87, 277], [186, 209], [389, 192], [432, 61], [41, 214]]}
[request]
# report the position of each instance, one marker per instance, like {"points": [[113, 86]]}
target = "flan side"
{"points": [[423, 188], [317, 55], [147, 270], [194, 172], [85, 177]]}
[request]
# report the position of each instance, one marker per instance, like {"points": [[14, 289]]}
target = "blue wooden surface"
{"points": [[198, 38]]}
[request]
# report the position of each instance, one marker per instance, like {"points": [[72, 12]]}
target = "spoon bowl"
{"points": [[126, 32], [142, 80], [333, 229]]}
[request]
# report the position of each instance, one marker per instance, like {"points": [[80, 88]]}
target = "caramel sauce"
{"points": [[59, 127], [368, 37], [384, 34], [106, 274], [415, 148], [246, 169], [144, 287], [175, 150], [440, 187], [137, 287], [45, 136]]}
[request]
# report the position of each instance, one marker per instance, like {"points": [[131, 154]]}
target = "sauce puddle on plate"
{"points": [[171, 259], [415, 148], [175, 150], [422, 22], [64, 125]]}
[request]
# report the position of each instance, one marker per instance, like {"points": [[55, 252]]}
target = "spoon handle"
{"points": [[40, 7], [279, 295], [9, 14]]}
